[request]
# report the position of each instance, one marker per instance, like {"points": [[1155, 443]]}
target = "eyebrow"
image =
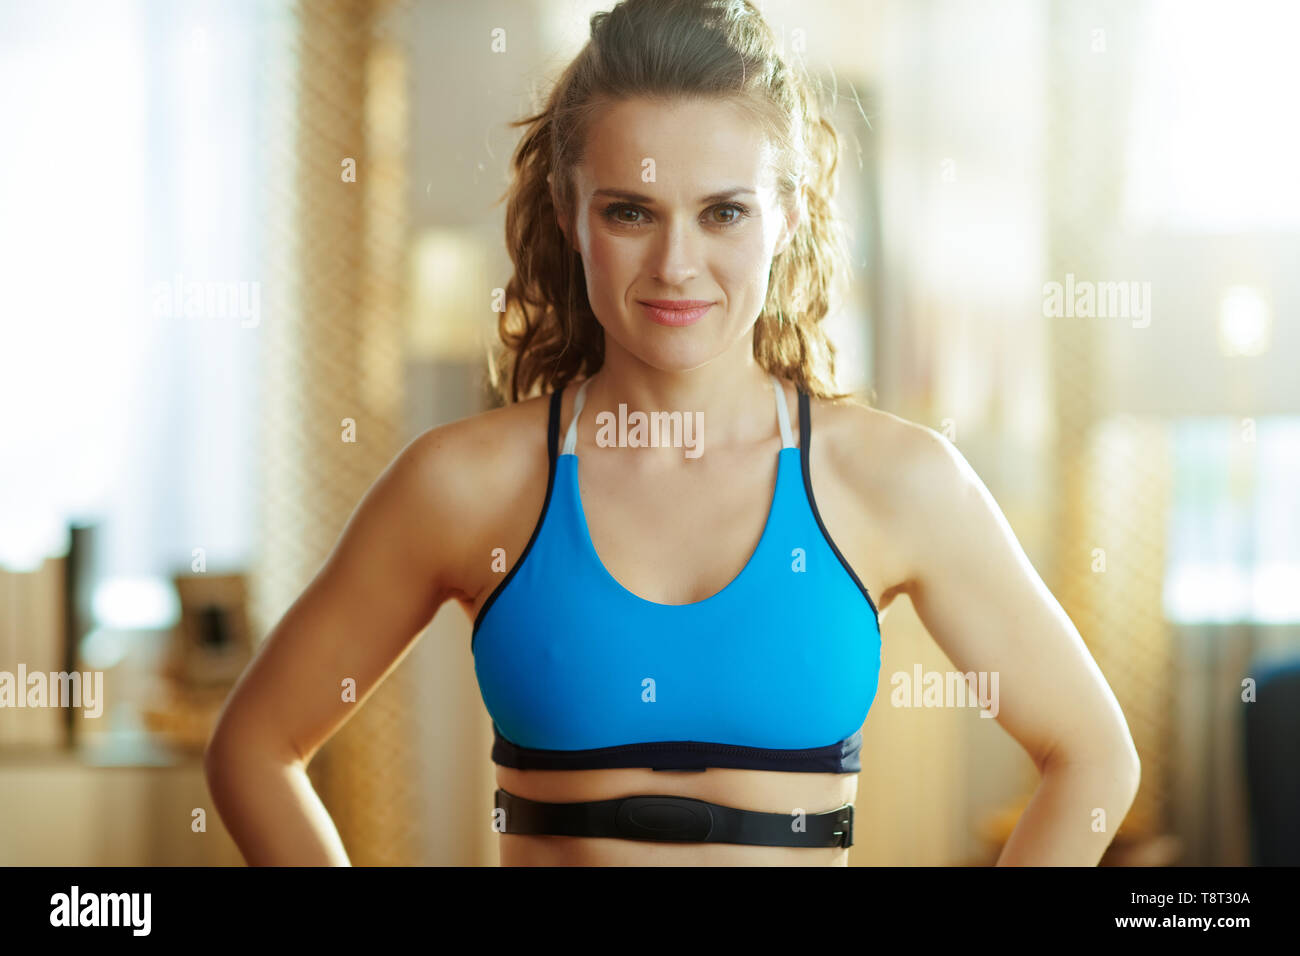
{"points": [[638, 197]]}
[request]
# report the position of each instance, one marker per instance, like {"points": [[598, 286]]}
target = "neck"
{"points": [[734, 399]]}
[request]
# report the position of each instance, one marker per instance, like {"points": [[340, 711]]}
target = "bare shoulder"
{"points": [[480, 446], [468, 472], [900, 470], [873, 448]]}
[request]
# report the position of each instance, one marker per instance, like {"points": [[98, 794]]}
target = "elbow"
{"points": [[1127, 763], [231, 748], [1135, 772], [224, 750], [1126, 768], [1119, 762], [214, 755]]}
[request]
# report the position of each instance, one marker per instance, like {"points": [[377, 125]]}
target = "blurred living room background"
{"points": [[231, 232]]}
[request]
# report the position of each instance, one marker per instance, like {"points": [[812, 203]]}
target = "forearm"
{"points": [[1072, 816], [272, 812]]}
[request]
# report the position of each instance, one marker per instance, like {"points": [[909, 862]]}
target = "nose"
{"points": [[675, 254]]}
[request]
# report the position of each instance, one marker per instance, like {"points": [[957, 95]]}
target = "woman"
{"points": [[677, 640]]}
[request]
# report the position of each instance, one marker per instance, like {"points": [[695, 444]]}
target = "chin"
{"points": [[678, 356], [671, 350]]}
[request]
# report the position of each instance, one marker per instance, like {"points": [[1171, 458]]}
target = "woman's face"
{"points": [[676, 202]]}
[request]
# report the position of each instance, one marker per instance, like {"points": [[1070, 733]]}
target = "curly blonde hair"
{"points": [[665, 50]]}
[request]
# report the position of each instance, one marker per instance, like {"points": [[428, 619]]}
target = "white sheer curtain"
{"points": [[1208, 150], [132, 169]]}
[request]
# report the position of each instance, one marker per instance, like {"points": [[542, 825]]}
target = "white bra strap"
{"points": [[782, 414], [571, 436]]}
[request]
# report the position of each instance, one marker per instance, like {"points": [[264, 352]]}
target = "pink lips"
{"points": [[676, 312]]}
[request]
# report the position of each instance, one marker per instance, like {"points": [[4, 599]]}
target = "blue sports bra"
{"points": [[774, 672]]}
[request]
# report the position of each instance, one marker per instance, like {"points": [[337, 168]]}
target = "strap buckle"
{"points": [[844, 821]]}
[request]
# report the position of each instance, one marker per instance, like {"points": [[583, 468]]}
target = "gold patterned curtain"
{"points": [[332, 362], [1111, 472]]}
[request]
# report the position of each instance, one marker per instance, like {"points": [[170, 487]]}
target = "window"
{"points": [[134, 163], [1234, 531], [1210, 146]]}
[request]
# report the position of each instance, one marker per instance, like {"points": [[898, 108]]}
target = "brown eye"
{"points": [[739, 211], [612, 214]]}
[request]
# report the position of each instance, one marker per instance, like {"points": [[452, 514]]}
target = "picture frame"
{"points": [[214, 643]]}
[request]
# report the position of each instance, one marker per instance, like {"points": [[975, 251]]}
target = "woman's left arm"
{"points": [[986, 607]]}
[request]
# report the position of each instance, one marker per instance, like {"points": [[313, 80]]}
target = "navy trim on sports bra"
{"points": [[805, 439], [842, 757], [552, 437]]}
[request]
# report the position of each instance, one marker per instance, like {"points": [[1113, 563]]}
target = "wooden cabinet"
{"points": [[57, 811]]}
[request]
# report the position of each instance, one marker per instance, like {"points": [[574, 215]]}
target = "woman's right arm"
{"points": [[397, 560]]}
